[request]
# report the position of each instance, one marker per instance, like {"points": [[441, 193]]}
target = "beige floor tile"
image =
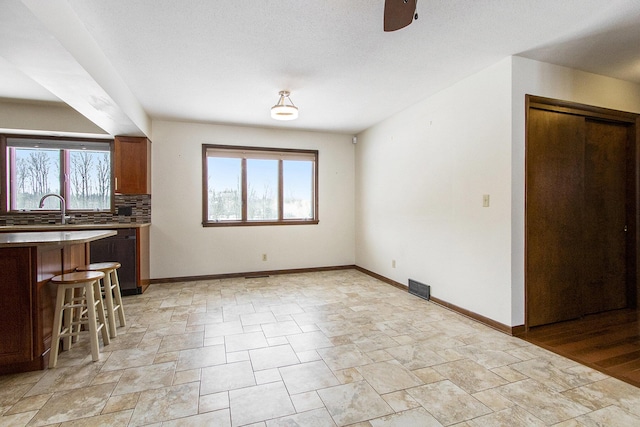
{"points": [[307, 377], [220, 418], [344, 356], [214, 316], [245, 341], [609, 416], [413, 417], [267, 376], [30, 403], [386, 377], [469, 376], [281, 329], [213, 402], [226, 377], [558, 376], [281, 309], [116, 419], [233, 312], [14, 420], [201, 357], [607, 392], [513, 417], [59, 379], [338, 347], [165, 404], [145, 378], [309, 341], [314, 418], [122, 402], [400, 401], [262, 402], [416, 356], [188, 376], [249, 319], [129, 358], [181, 342], [306, 401], [352, 403], [448, 403], [548, 405], [349, 375], [222, 329], [72, 405]]}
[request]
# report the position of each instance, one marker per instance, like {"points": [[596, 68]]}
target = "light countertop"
{"points": [[71, 227], [51, 238]]}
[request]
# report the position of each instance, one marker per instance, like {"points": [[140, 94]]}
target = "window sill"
{"points": [[258, 223]]}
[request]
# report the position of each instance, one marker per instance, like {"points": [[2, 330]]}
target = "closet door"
{"points": [[605, 284], [578, 185], [554, 216]]}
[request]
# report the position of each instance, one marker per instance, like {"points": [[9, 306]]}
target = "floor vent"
{"points": [[419, 289], [257, 276]]}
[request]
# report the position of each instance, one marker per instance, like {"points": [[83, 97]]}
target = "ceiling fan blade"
{"points": [[398, 13]]}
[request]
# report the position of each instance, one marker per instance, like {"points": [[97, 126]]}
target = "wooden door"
{"points": [[555, 195], [605, 286], [578, 197]]}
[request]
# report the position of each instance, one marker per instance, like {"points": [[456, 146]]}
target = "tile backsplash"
{"points": [[138, 205]]}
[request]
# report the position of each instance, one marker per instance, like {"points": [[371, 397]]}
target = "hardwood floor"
{"points": [[608, 342]]}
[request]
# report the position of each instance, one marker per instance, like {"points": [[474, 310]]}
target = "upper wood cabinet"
{"points": [[132, 165]]}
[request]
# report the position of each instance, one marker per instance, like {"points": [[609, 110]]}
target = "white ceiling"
{"points": [[121, 62]]}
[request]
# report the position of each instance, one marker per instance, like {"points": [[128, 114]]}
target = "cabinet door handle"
{"points": [[116, 182]]}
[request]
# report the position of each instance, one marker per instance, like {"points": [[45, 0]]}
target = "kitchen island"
{"points": [[27, 261], [130, 247]]}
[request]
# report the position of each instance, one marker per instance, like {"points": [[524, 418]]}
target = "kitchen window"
{"points": [[78, 170], [259, 186]]}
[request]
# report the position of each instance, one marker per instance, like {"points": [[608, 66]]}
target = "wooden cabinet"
{"points": [[130, 247], [28, 299], [16, 329], [132, 165]]}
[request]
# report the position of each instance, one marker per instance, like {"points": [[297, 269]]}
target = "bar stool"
{"points": [[111, 290], [78, 301]]}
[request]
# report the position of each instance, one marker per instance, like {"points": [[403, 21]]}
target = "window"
{"points": [[259, 186], [80, 171]]}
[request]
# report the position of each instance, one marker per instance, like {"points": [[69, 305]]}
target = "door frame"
{"points": [[633, 183]]}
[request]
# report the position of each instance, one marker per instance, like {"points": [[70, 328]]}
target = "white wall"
{"points": [[420, 178], [551, 81], [180, 246]]}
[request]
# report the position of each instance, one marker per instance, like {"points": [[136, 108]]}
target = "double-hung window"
{"points": [[79, 171], [259, 186]]}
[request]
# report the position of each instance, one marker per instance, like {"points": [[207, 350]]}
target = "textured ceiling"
{"points": [[225, 61]]}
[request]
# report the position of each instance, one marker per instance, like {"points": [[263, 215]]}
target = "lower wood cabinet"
{"points": [[27, 302], [16, 328]]}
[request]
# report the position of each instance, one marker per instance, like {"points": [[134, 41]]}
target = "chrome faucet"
{"points": [[62, 205]]}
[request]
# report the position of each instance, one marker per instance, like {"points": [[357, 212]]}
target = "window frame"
{"points": [[269, 153], [5, 179]]}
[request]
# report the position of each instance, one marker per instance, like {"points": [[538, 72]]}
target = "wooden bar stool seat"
{"points": [[111, 290], [78, 301]]}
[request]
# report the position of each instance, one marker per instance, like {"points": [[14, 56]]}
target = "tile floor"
{"points": [[318, 349]]}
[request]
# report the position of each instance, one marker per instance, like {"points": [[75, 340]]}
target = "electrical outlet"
{"points": [[485, 200], [264, 257], [393, 263]]}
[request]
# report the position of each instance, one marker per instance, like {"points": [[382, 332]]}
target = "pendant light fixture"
{"points": [[283, 110]]}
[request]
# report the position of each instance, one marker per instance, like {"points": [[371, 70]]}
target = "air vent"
{"points": [[419, 289]]}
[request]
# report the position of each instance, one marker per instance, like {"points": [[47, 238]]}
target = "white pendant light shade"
{"points": [[283, 110]]}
